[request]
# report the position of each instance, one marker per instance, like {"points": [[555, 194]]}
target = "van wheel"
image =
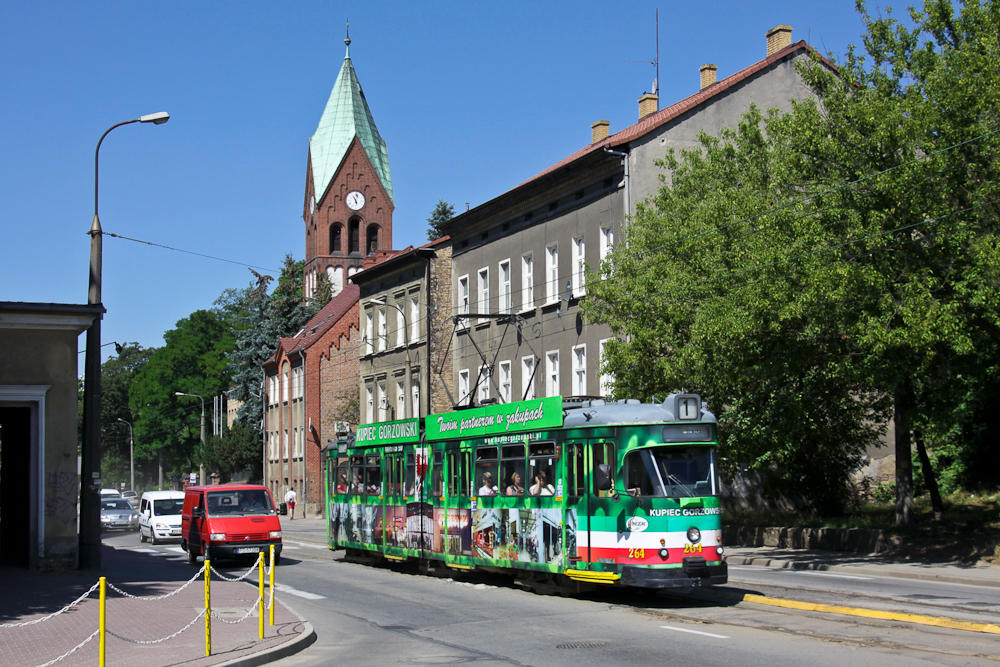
{"points": [[142, 536], [152, 537], [192, 557]]}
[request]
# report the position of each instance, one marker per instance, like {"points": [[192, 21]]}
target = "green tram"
{"points": [[565, 492]]}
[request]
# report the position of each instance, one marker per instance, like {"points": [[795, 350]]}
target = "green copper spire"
{"points": [[346, 116]]}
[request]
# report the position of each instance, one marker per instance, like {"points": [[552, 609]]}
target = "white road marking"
{"points": [[282, 588], [141, 550], [176, 549], [693, 632], [311, 545]]}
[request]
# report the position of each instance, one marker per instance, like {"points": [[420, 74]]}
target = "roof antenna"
{"points": [[655, 62], [347, 39]]}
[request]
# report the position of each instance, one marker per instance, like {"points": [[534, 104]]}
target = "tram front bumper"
{"points": [[691, 575]]}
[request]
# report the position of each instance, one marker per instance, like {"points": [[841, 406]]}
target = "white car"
{"points": [[160, 516]]}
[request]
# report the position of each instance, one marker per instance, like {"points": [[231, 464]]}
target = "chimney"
{"points": [[648, 104], [778, 38], [599, 130], [707, 75]]}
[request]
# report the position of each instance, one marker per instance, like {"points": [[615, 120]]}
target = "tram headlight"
{"points": [[664, 554], [694, 535], [720, 550]]}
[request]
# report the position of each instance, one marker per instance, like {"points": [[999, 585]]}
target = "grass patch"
{"points": [[969, 532]]}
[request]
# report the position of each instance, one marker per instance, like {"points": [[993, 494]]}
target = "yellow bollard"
{"points": [[272, 584], [208, 607], [103, 622], [260, 596]]}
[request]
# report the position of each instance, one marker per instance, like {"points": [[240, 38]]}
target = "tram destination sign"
{"points": [[387, 433], [496, 419]]}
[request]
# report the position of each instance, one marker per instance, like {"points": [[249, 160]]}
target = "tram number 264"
{"points": [[637, 554]]}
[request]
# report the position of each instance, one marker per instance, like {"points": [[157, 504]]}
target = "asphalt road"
{"points": [[370, 615]]}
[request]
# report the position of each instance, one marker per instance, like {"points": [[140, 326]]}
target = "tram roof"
{"points": [[600, 412]]}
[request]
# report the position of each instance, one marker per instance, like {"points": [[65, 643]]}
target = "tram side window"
{"points": [[437, 474], [576, 483], [410, 485], [453, 474], [341, 475], [512, 470], [541, 465], [465, 483], [486, 471], [604, 454], [373, 483], [357, 475]]}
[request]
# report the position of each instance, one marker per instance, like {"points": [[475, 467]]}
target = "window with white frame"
{"points": [[606, 378], [463, 298], [484, 383], [505, 379], [527, 281], [284, 382], [527, 378], [579, 266], [483, 305], [607, 240], [295, 442], [369, 331], [380, 323], [400, 321], [380, 400], [415, 395], [552, 273], [414, 317], [503, 294], [580, 370], [463, 385], [369, 405], [552, 373], [284, 444], [400, 399]]}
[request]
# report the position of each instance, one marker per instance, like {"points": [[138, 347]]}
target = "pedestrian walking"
{"points": [[290, 501]]}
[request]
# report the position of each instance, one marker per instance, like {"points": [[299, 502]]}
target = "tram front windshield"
{"points": [[671, 472]]}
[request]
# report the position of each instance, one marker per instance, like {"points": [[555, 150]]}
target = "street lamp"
{"points": [[131, 456], [201, 463], [90, 453]]}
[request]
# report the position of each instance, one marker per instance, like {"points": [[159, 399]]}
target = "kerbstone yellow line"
{"points": [[872, 613]]}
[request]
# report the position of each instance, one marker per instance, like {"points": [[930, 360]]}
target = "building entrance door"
{"points": [[15, 489]]}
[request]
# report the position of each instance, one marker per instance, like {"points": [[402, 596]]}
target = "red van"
{"points": [[229, 521]]}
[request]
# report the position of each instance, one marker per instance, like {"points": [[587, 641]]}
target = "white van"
{"points": [[160, 516]]}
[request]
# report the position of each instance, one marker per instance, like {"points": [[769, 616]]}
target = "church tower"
{"points": [[348, 207]]}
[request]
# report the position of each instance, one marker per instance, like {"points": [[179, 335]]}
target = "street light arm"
{"points": [[97, 155]]}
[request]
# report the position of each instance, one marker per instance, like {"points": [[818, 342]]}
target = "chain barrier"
{"points": [[245, 616], [71, 651], [157, 597], [157, 641], [55, 613], [242, 576]]}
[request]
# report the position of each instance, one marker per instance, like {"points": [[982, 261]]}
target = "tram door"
{"points": [[591, 512]]}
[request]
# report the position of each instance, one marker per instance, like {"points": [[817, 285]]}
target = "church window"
{"points": [[354, 232], [335, 243], [372, 239]]}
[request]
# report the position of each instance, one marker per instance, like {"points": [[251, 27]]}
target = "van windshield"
{"points": [[167, 506], [240, 502]]}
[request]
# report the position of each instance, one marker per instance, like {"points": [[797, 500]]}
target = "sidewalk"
{"points": [[26, 595], [868, 564]]}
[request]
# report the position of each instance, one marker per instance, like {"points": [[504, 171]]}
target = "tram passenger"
{"points": [[374, 483], [342, 483], [541, 487], [488, 488], [358, 486], [516, 487]]}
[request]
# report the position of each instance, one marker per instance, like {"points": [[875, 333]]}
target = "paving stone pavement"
{"points": [[27, 596]]}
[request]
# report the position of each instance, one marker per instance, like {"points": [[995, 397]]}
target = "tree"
{"points": [[193, 360], [441, 214], [117, 376], [812, 271]]}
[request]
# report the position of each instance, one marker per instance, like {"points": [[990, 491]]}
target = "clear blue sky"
{"points": [[471, 98]]}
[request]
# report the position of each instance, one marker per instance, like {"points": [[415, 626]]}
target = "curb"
{"points": [[305, 639], [774, 563]]}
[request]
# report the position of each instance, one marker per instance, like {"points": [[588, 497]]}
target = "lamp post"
{"points": [[201, 466], [406, 344], [90, 453], [131, 456]]}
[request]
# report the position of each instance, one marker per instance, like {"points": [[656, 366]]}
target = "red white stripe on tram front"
{"points": [[644, 548]]}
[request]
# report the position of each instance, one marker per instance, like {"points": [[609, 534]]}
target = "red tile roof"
{"points": [[667, 114], [326, 318]]}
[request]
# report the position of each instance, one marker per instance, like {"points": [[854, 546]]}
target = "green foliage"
{"points": [[808, 272], [192, 361], [235, 450], [441, 214], [117, 376]]}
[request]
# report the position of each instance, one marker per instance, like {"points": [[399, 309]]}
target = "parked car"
{"points": [[160, 516], [229, 521], [117, 514], [132, 497]]}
